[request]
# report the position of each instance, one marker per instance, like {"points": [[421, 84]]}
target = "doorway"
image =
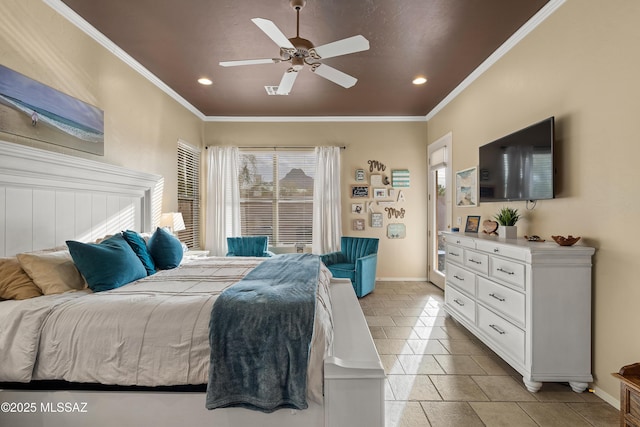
{"points": [[439, 206]]}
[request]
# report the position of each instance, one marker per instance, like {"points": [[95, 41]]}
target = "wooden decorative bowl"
{"points": [[565, 241]]}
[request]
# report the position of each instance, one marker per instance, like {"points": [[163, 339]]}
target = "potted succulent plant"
{"points": [[507, 218]]}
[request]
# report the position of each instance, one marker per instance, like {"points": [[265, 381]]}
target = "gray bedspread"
{"points": [[260, 333]]}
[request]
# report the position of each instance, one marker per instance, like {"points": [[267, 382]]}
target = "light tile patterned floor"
{"points": [[438, 374]]}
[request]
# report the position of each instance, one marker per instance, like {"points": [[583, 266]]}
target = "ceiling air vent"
{"points": [[273, 90]]}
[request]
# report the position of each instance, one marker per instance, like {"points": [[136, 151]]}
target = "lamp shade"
{"points": [[172, 220]]}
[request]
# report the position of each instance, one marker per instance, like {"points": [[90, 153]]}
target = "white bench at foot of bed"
{"points": [[354, 392]]}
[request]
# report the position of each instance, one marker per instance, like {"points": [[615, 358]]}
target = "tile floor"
{"points": [[440, 375]]}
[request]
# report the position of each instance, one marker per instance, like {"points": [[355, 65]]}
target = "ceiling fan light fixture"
{"points": [[419, 80], [300, 52], [297, 63], [205, 81]]}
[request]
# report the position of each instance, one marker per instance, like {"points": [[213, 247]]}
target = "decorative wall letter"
{"points": [[376, 165]]}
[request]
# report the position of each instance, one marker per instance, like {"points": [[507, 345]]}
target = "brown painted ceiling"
{"points": [[180, 41]]}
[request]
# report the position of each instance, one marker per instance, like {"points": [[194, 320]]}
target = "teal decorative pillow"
{"points": [[107, 265], [139, 246], [165, 249]]}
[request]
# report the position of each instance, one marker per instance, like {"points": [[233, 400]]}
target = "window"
{"points": [[189, 193], [276, 195]]}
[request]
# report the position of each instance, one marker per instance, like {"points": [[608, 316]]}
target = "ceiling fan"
{"points": [[300, 52]]}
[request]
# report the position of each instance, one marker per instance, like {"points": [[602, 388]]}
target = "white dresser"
{"points": [[530, 302]]}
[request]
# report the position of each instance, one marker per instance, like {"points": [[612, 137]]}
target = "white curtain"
{"points": [[327, 203], [223, 198]]}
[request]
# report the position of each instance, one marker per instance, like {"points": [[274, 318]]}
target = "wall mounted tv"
{"points": [[518, 166]]}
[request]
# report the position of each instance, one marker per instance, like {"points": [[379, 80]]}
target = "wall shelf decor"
{"points": [[376, 165], [395, 213], [360, 191], [400, 178], [376, 180], [357, 208], [376, 220], [379, 193], [358, 225], [396, 231]]}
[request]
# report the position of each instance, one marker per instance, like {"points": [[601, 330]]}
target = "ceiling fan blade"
{"points": [[247, 62], [286, 84], [342, 47], [274, 33], [336, 76]]}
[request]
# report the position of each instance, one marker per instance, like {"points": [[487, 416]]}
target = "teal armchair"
{"points": [[249, 246], [357, 261]]}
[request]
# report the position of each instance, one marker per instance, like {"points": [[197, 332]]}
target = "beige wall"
{"points": [[581, 66], [399, 145], [142, 123]]}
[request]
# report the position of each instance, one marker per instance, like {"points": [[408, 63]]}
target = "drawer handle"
{"points": [[458, 241], [451, 253], [474, 261], [457, 301], [496, 250], [499, 298], [459, 278], [505, 271], [498, 330]]}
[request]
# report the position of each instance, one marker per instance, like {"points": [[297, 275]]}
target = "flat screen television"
{"points": [[518, 166]]}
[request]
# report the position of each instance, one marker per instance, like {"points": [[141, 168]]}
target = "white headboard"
{"points": [[47, 198]]}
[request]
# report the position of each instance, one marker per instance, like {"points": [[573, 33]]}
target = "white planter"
{"points": [[507, 231]]}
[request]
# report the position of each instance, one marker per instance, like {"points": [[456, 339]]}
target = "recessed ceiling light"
{"points": [[204, 81], [419, 80]]}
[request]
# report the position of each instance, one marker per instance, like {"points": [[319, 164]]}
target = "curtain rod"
{"points": [[284, 147]]}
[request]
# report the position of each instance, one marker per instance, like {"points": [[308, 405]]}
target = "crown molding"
{"points": [[522, 32], [316, 119]]}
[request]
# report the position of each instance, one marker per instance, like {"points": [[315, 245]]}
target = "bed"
{"points": [[47, 198]]}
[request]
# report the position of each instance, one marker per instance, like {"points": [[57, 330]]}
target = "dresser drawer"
{"points": [[508, 271], [508, 251], [508, 337], [505, 300], [462, 278], [461, 241], [455, 254], [476, 261], [460, 303]]}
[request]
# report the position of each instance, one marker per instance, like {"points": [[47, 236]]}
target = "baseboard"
{"points": [[401, 279], [606, 397]]}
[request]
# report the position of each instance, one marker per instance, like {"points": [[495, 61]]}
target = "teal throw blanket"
{"points": [[260, 333]]}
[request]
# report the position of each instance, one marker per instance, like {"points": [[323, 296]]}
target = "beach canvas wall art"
{"points": [[33, 110]]}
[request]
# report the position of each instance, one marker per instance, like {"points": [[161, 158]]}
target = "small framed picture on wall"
{"points": [[379, 193], [467, 188], [358, 225], [357, 208], [359, 191], [376, 220]]}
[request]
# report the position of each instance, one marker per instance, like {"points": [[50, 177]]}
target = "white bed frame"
{"points": [[47, 198]]}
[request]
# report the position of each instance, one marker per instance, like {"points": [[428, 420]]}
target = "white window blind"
{"points": [[189, 193], [276, 195], [438, 158]]}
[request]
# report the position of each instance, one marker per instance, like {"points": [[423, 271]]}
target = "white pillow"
{"points": [[52, 272]]}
